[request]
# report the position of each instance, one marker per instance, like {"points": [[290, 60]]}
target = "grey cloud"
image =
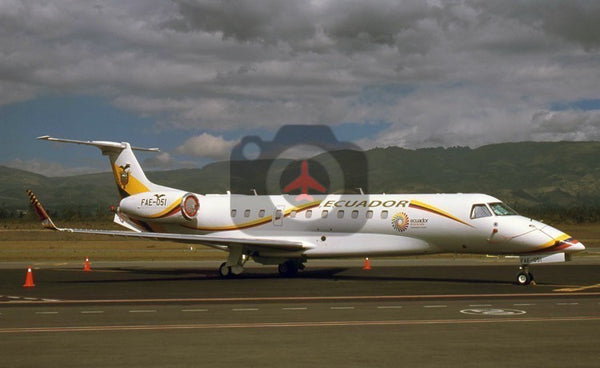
{"points": [[265, 21], [475, 71], [575, 20], [567, 125]]}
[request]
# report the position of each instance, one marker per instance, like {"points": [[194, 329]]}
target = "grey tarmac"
{"points": [[403, 312]]}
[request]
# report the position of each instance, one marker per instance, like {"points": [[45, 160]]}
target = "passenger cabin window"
{"points": [[479, 211], [233, 213], [247, 213], [324, 214], [308, 213], [278, 214], [340, 214], [261, 213], [293, 214], [500, 209], [384, 214], [355, 214], [369, 214]]}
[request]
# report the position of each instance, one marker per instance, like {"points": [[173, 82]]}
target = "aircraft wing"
{"points": [[219, 242]]}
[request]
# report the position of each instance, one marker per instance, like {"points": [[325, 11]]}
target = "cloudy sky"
{"points": [[194, 76]]}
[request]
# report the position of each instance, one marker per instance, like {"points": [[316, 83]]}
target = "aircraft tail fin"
{"points": [[129, 176]]}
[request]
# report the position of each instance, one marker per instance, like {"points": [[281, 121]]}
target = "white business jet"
{"points": [[287, 230]]}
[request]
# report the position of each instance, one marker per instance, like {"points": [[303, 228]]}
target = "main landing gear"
{"points": [[229, 271], [524, 277], [290, 268], [235, 263]]}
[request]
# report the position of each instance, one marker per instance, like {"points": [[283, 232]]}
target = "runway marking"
{"points": [[143, 311], [523, 304], [389, 306], [295, 308], [567, 303], [578, 288], [493, 312], [435, 306], [341, 308], [49, 312], [308, 298], [92, 312], [480, 305], [295, 324], [194, 310], [244, 309]]}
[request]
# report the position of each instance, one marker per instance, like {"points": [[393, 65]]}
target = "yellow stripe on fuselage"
{"points": [[552, 242], [166, 211], [259, 221], [437, 211]]}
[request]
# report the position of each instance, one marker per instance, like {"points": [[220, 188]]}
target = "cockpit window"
{"points": [[500, 209], [480, 210]]}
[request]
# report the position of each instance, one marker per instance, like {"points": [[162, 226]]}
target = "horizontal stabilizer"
{"points": [[99, 144]]}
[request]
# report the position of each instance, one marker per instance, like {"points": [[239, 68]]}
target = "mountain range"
{"points": [[526, 175]]}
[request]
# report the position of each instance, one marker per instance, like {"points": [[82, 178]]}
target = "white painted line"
{"points": [[341, 308], [50, 300], [480, 305], [46, 312], [194, 310], [13, 297], [389, 306], [295, 308], [435, 306], [522, 304], [143, 311], [567, 303], [92, 312], [244, 309]]}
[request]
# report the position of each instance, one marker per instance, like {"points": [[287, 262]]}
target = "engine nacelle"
{"points": [[165, 206]]}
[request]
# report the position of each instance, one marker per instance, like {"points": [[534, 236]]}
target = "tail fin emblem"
{"points": [[124, 174]]}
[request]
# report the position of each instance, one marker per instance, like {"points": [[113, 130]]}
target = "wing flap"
{"points": [[220, 242]]}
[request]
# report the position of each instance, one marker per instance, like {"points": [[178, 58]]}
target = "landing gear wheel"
{"points": [[224, 270], [288, 269], [524, 278]]}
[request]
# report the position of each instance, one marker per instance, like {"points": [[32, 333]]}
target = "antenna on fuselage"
{"points": [[361, 190], [254, 191]]}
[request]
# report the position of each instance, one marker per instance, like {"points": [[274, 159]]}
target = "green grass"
{"points": [[38, 245]]}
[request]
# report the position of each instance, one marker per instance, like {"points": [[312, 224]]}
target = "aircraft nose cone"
{"points": [[575, 246]]}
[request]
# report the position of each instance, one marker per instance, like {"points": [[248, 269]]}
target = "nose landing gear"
{"points": [[524, 277]]}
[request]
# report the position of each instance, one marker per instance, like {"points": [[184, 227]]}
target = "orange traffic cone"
{"points": [[29, 278], [86, 265], [367, 265]]}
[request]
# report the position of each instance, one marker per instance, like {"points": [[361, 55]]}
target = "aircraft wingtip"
{"points": [[40, 211]]}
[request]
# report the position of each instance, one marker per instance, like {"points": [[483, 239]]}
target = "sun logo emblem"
{"points": [[400, 221]]}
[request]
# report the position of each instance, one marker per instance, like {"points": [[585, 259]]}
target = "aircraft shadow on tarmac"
{"points": [[334, 273]]}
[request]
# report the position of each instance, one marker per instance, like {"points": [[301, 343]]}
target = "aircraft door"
{"points": [[278, 215], [482, 218]]}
